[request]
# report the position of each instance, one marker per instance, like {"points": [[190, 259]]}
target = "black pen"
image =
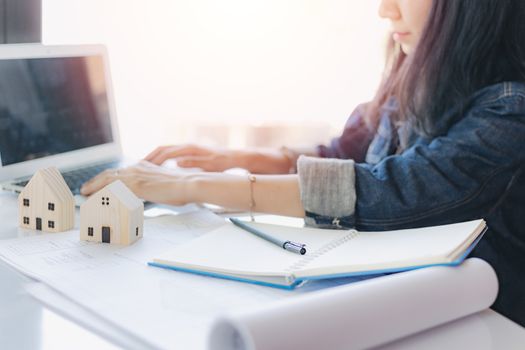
{"points": [[288, 245]]}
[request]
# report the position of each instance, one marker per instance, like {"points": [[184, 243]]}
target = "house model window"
{"points": [[46, 197], [121, 222]]}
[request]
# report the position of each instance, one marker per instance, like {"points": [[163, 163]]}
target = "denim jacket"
{"points": [[474, 170]]}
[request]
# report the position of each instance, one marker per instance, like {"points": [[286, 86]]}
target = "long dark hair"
{"points": [[466, 45]]}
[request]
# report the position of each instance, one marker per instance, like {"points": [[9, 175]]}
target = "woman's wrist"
{"points": [[193, 188], [222, 189], [263, 161], [243, 159]]}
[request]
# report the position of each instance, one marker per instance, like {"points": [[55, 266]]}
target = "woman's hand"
{"points": [[260, 161], [193, 156], [148, 181]]}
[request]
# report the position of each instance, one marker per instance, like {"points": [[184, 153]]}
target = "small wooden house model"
{"points": [[46, 203], [112, 215]]}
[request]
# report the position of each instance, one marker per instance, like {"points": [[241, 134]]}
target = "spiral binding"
{"points": [[322, 250]]}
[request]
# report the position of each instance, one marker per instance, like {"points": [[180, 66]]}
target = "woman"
{"points": [[443, 141]]}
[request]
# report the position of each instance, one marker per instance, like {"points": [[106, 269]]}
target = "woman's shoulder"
{"points": [[510, 93], [502, 104]]}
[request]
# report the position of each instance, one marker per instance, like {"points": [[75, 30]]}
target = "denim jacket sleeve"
{"points": [[353, 142], [457, 176]]}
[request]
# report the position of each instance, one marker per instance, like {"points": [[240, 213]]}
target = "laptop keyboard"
{"points": [[75, 178]]}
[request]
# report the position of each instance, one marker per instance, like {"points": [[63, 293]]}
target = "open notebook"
{"points": [[230, 252]]}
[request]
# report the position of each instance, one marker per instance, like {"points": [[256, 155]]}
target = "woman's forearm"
{"points": [[268, 160], [273, 194]]}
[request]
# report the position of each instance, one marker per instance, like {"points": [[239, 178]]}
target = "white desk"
{"points": [[26, 324]]}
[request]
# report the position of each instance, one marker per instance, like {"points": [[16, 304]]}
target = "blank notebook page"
{"points": [[391, 249], [230, 248]]}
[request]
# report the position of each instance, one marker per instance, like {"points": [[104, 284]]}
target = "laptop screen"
{"points": [[52, 105]]}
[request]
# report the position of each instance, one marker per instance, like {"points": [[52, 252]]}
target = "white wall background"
{"points": [[212, 70]]}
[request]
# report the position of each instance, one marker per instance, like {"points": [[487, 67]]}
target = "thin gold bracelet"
{"points": [[252, 180]]}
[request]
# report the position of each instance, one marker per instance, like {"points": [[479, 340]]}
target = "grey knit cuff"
{"points": [[327, 187]]}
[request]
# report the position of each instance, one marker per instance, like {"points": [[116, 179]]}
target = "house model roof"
{"points": [[124, 194], [54, 180]]}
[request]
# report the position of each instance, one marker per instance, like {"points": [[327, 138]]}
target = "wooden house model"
{"points": [[112, 215], [46, 203]]}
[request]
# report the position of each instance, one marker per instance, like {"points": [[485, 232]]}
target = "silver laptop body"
{"points": [[57, 108]]}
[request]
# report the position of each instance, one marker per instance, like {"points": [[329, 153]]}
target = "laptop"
{"points": [[56, 109]]}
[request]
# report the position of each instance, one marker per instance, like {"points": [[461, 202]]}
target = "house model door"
{"points": [[39, 224], [106, 234]]}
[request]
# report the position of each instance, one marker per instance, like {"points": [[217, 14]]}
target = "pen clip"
{"points": [[295, 247]]}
